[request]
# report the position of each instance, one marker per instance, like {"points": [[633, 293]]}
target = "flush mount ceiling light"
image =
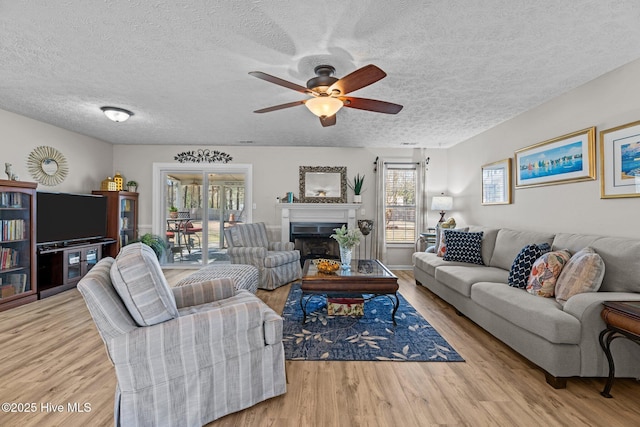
{"points": [[116, 114]]}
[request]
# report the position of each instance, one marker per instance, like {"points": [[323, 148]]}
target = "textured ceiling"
{"points": [[458, 67]]}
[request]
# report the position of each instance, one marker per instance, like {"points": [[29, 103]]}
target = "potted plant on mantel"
{"points": [[357, 188]]}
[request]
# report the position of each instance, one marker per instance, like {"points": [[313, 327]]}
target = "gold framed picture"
{"points": [[620, 161], [567, 158], [496, 183]]}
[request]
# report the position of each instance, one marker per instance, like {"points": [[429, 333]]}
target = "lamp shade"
{"points": [[441, 203], [324, 106], [116, 114]]}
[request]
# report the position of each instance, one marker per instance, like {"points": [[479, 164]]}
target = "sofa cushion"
{"points": [[138, 279], [428, 262], [545, 272], [583, 273], [488, 241], [541, 316], [510, 242], [463, 247], [521, 267], [619, 254], [462, 277]]}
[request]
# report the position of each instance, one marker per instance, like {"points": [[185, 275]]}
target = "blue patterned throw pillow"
{"points": [[521, 267], [463, 247]]}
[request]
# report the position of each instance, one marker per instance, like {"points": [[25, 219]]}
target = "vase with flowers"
{"points": [[347, 238]]}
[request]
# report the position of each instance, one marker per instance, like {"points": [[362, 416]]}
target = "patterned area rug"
{"points": [[370, 337]]}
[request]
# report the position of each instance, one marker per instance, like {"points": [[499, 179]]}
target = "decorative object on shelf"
{"points": [[47, 165], [173, 212], [9, 171], [132, 186], [108, 184], [347, 240], [496, 183], [442, 203], [323, 184], [567, 158], [620, 161], [119, 180], [202, 156], [357, 188], [450, 223]]}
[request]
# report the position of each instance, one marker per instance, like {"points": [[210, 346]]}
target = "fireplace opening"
{"points": [[313, 240]]}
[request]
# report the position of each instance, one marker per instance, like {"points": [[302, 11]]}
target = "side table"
{"points": [[623, 320]]}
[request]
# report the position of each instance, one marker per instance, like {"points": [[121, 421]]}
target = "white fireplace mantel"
{"points": [[317, 212]]}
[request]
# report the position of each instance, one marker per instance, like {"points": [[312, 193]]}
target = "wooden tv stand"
{"points": [[61, 266]]}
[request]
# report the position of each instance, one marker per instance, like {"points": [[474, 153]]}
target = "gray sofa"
{"points": [[563, 341]]}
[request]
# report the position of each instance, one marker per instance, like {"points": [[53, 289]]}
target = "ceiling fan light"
{"points": [[324, 106], [116, 114]]}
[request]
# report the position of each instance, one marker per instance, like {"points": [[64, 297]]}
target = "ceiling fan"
{"points": [[328, 92]]}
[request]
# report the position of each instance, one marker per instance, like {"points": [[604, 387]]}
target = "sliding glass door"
{"points": [[194, 204]]}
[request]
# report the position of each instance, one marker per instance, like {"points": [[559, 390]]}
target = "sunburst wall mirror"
{"points": [[47, 166]]}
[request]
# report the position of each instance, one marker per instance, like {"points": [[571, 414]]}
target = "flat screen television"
{"points": [[66, 217]]}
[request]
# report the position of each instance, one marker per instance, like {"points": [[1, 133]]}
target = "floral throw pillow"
{"points": [[545, 272], [521, 267]]}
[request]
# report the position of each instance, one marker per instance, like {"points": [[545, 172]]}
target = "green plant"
{"points": [[357, 184], [154, 241], [347, 238], [173, 209], [132, 184]]}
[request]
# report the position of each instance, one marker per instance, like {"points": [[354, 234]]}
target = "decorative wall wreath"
{"points": [[202, 156]]}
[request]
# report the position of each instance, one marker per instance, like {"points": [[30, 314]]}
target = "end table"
{"points": [[623, 320]]}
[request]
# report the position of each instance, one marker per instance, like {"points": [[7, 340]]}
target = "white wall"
{"points": [[275, 172], [609, 101], [90, 160]]}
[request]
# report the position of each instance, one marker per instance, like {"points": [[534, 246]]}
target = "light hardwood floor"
{"points": [[51, 354]]}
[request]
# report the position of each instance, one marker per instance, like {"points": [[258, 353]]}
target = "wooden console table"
{"points": [[623, 320]]}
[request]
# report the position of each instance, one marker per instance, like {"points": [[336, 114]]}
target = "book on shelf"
{"points": [[19, 281], [11, 200], [13, 229], [9, 258]]}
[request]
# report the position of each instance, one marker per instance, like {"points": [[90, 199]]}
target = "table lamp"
{"points": [[442, 203]]}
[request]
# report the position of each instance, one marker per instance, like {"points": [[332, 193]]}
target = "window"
{"points": [[400, 203]]}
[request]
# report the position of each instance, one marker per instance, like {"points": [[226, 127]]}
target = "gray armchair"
{"points": [[277, 262], [183, 356]]}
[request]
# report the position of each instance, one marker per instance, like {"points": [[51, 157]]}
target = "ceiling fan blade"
{"points": [[358, 79], [280, 107], [279, 81], [371, 105], [328, 121]]}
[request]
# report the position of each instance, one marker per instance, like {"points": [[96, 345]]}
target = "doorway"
{"points": [[194, 204]]}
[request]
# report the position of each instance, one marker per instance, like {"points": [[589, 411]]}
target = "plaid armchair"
{"points": [[183, 356], [277, 262]]}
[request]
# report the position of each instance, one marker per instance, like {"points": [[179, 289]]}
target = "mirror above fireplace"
{"points": [[323, 184]]}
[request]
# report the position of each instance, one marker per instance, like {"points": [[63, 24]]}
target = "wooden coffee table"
{"points": [[367, 279]]}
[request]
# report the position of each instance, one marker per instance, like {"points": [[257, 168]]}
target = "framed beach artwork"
{"points": [[620, 161], [496, 183], [567, 158]]}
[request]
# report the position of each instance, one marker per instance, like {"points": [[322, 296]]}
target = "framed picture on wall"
{"points": [[567, 158], [496, 183], [620, 161]]}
